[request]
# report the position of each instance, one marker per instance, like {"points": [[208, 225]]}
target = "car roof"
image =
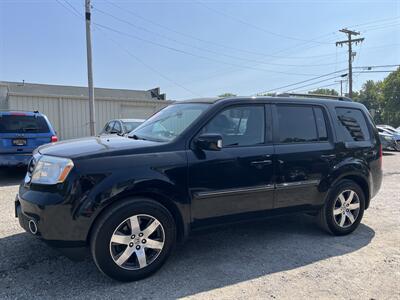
{"points": [[19, 113]]}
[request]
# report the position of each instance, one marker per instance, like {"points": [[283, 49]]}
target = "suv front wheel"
{"points": [[344, 208], [133, 239]]}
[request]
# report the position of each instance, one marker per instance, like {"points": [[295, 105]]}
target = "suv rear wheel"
{"points": [[133, 239], [344, 208]]}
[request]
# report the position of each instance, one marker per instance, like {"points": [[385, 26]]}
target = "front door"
{"points": [[238, 178]]}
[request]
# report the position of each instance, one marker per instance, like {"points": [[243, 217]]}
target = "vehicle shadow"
{"points": [[207, 261], [11, 176]]}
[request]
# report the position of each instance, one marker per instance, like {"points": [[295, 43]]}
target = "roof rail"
{"points": [[319, 96]]}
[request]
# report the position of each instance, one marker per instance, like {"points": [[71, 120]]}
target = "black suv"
{"points": [[199, 163]]}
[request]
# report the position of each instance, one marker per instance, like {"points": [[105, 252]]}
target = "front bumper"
{"points": [[54, 223], [13, 160]]}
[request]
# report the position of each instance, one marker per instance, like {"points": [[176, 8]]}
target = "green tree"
{"points": [[227, 95], [331, 92], [391, 98], [371, 96]]}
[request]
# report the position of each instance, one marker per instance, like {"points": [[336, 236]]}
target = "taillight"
{"points": [[54, 139]]}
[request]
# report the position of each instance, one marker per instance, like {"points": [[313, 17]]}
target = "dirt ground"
{"points": [[281, 258]]}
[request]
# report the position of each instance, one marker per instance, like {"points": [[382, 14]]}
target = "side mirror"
{"points": [[209, 141]]}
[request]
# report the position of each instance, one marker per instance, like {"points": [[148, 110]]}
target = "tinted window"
{"points": [[239, 126], [321, 124], [296, 124], [23, 124], [353, 124]]}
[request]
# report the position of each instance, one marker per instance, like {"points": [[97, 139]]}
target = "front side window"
{"points": [[170, 122], [239, 126], [353, 125], [296, 124]]}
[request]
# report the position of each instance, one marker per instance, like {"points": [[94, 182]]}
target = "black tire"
{"points": [[108, 222], [326, 216]]}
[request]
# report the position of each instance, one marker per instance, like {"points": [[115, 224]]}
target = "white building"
{"points": [[67, 107]]}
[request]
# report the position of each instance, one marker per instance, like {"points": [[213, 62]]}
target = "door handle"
{"points": [[328, 156], [261, 162]]}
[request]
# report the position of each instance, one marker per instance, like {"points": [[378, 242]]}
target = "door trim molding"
{"points": [[227, 192]]}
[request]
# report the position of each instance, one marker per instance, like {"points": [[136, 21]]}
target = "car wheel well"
{"points": [[363, 185], [180, 229]]}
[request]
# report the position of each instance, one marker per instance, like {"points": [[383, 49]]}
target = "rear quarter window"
{"points": [[352, 124], [23, 124]]}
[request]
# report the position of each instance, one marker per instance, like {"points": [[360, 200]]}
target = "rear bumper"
{"points": [[13, 160]]}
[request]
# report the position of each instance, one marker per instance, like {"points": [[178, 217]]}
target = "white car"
{"points": [[121, 126]]}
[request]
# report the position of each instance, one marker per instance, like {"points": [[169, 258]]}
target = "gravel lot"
{"points": [[286, 257]]}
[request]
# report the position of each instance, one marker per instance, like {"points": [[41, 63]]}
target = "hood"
{"points": [[93, 146]]}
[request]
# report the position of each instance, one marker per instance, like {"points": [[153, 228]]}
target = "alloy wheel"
{"points": [[346, 208], [137, 242]]}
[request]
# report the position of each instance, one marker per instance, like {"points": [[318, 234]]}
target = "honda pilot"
{"points": [[200, 163]]}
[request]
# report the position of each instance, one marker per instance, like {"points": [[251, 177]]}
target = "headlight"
{"points": [[51, 170], [388, 138]]}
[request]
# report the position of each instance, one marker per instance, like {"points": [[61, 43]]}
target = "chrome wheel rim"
{"points": [[346, 208], [137, 242]]}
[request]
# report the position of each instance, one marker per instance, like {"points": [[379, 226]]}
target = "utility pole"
{"points": [[341, 86], [349, 42], [92, 121]]}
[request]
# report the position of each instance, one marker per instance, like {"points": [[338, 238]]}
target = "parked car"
{"points": [[121, 126], [390, 128], [20, 133], [199, 163], [395, 134], [388, 142]]}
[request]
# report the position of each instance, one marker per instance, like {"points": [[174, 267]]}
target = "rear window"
{"points": [[353, 125], [23, 124]]}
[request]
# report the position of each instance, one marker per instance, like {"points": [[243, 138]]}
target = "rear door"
{"points": [[22, 133], [305, 153]]}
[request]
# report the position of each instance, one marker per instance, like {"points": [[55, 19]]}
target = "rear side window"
{"points": [[353, 125], [296, 124], [23, 124]]}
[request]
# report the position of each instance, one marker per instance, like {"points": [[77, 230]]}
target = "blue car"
{"points": [[20, 134]]}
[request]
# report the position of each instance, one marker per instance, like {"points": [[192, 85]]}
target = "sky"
{"points": [[197, 48]]}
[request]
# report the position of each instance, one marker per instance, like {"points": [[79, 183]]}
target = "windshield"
{"points": [[23, 124], [170, 122], [129, 126]]}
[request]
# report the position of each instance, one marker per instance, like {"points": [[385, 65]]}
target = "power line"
{"points": [[300, 82], [129, 53], [256, 26], [207, 49], [194, 54], [310, 84]]}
